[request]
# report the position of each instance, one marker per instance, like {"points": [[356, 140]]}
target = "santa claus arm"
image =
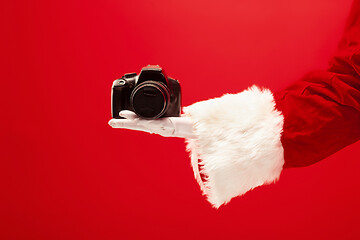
{"points": [[245, 140]]}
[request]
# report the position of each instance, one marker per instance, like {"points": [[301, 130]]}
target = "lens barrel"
{"points": [[150, 99]]}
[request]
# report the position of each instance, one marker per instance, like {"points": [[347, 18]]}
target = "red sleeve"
{"points": [[322, 110]]}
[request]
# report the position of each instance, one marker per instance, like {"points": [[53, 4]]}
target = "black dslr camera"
{"points": [[151, 94]]}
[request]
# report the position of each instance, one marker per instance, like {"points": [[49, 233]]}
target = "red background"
{"points": [[65, 174]]}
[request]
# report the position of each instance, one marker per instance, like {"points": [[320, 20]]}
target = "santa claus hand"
{"points": [[166, 127]]}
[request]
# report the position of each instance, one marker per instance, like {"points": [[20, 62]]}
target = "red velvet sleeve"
{"points": [[322, 110]]}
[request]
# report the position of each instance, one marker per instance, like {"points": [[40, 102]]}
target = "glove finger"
{"points": [[128, 114], [124, 123]]}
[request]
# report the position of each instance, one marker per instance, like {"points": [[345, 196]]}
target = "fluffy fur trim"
{"points": [[238, 143]]}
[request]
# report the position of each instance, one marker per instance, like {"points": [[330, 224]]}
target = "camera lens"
{"points": [[150, 99]]}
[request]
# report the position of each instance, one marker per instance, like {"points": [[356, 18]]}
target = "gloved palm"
{"points": [[166, 127]]}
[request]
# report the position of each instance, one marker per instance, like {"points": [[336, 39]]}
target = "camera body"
{"points": [[151, 94]]}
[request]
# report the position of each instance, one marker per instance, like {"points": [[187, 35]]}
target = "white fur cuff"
{"points": [[238, 143]]}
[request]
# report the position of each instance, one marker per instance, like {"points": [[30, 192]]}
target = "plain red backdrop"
{"points": [[65, 174]]}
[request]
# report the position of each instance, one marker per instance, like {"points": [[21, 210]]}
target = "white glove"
{"points": [[167, 127]]}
